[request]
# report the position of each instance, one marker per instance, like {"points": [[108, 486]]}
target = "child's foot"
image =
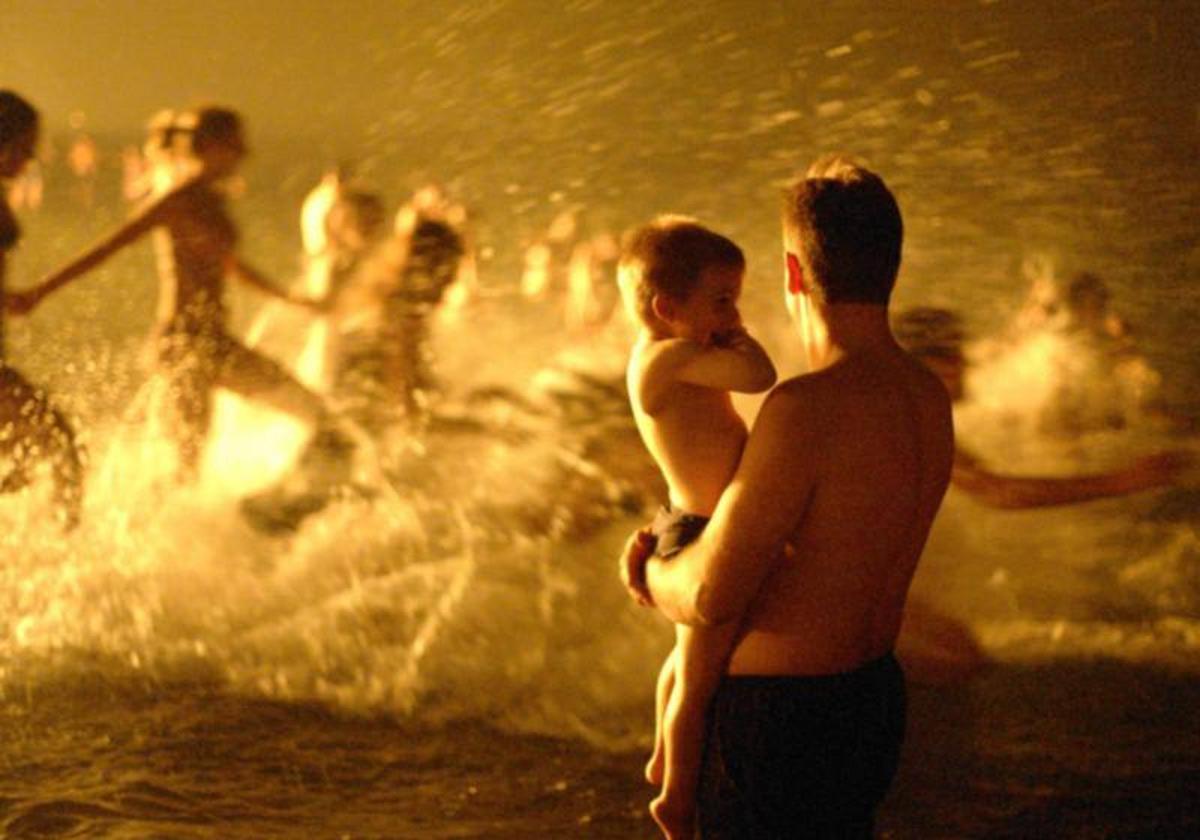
{"points": [[676, 819], [654, 767]]}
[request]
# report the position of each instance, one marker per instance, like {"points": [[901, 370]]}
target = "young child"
{"points": [[681, 283]]}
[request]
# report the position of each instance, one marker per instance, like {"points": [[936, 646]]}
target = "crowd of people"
{"points": [[784, 551], [371, 287]]}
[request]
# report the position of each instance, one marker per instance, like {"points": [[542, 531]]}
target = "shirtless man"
{"points": [[812, 546]]}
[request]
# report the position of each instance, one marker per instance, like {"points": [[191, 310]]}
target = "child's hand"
{"points": [[732, 339], [632, 566]]}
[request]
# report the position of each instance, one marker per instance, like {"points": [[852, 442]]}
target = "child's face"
{"points": [[710, 311]]}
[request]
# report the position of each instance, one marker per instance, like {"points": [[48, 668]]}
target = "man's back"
{"points": [[859, 456]]}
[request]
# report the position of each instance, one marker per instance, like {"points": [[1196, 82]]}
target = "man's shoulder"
{"points": [[794, 403], [799, 392], [824, 393]]}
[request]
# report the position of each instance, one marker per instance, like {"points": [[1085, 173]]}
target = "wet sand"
{"points": [[1070, 750]]}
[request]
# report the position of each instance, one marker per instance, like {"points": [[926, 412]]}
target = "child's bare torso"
{"points": [[696, 437]]}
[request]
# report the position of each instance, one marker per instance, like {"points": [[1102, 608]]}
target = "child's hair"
{"points": [[847, 226], [17, 116], [667, 257]]}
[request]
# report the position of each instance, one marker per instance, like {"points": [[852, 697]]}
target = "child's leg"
{"points": [[662, 693], [700, 656], [258, 377], [191, 379], [329, 452]]}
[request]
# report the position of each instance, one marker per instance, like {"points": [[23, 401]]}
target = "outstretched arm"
{"points": [[1013, 492], [131, 231], [253, 277], [714, 580]]}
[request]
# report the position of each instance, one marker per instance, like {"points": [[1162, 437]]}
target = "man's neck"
{"points": [[849, 329]]}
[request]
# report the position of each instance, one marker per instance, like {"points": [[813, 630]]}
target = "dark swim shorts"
{"points": [[800, 756], [674, 529]]}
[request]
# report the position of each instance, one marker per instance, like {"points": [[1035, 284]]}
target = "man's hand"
{"points": [[639, 548]]}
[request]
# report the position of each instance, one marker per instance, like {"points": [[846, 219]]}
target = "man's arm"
{"points": [[1016, 492], [714, 580]]}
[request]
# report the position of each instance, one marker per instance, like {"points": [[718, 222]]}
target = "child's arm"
{"points": [[738, 363], [253, 277]]}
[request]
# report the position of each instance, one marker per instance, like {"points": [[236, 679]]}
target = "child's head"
{"points": [[843, 226], [680, 279], [18, 133]]}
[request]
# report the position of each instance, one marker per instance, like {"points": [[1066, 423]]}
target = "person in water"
{"points": [[383, 313], [341, 226], [31, 428], [681, 282], [379, 305], [196, 242], [935, 336], [813, 543]]}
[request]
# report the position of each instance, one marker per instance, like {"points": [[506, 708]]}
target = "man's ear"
{"points": [[797, 284]]}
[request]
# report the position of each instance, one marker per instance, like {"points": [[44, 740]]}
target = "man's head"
{"points": [[935, 337], [680, 279], [842, 234]]}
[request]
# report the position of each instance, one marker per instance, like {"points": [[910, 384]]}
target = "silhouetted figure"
{"points": [[31, 429]]}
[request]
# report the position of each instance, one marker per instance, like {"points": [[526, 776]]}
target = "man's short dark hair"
{"points": [[847, 226]]}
